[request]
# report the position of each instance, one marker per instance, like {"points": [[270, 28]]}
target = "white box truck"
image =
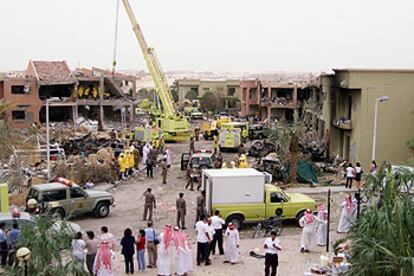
{"points": [[244, 195]]}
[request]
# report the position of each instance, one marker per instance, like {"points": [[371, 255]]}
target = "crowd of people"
{"points": [[167, 251], [355, 173]]}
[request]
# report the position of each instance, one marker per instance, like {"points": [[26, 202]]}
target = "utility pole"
{"points": [[329, 217], [47, 140], [374, 138]]}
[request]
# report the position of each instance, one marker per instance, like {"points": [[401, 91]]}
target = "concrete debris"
{"points": [[87, 123]]}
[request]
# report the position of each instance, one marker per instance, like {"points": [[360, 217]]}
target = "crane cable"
{"points": [[115, 38]]}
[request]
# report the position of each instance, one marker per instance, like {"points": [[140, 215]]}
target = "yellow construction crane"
{"points": [[175, 127]]}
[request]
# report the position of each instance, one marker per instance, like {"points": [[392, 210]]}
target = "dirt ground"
{"points": [[129, 209]]}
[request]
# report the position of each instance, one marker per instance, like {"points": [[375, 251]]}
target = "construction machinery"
{"points": [[212, 129], [175, 127]]}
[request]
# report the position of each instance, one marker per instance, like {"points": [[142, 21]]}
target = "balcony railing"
{"points": [[343, 123]]}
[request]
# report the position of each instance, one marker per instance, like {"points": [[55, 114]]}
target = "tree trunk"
{"points": [[294, 145]]}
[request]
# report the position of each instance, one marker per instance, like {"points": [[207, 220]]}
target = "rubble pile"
{"points": [[274, 166], [99, 167]]}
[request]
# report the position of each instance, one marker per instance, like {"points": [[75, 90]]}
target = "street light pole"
{"points": [[47, 140], [374, 138]]}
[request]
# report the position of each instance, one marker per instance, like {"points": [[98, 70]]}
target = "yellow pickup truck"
{"points": [[243, 196]]}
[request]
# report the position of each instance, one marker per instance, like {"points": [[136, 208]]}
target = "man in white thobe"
{"points": [[168, 153], [322, 228], [308, 222], [232, 244], [145, 152], [165, 252], [184, 260], [347, 216]]}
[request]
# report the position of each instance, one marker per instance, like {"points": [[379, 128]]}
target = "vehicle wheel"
{"points": [[58, 214], [259, 232], [277, 227], [102, 210], [236, 220], [299, 216]]}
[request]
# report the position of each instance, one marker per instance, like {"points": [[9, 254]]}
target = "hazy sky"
{"points": [[216, 35]]}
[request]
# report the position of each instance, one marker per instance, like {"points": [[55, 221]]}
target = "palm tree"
{"points": [[287, 134], [382, 238], [50, 247]]}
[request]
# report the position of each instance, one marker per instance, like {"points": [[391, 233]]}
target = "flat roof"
{"points": [[374, 70], [232, 172]]}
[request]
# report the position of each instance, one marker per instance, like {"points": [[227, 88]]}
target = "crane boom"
{"points": [[154, 67]]}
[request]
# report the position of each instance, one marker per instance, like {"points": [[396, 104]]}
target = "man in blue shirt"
{"points": [[13, 238], [3, 245], [151, 237]]}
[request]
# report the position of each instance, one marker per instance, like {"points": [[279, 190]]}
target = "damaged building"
{"points": [[225, 88], [70, 94], [270, 100], [349, 110]]}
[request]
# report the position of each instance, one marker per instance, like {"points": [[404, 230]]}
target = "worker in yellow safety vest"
{"points": [[243, 162], [233, 165], [81, 91], [244, 134], [131, 159], [121, 165], [86, 93], [95, 93], [127, 161]]}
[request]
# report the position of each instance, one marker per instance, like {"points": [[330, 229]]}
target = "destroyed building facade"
{"points": [[69, 93], [271, 100], [225, 88], [349, 107]]}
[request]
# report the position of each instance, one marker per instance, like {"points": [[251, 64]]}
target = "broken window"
{"points": [[253, 93], [231, 92], [19, 89], [55, 91], [18, 115], [56, 114]]}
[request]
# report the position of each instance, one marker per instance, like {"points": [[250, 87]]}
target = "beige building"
{"points": [[228, 88], [349, 107]]}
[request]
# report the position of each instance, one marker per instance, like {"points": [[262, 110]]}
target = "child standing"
{"points": [[141, 250]]}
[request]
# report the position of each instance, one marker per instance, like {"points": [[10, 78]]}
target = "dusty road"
{"points": [[129, 209]]}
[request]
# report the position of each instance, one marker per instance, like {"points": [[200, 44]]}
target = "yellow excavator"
{"points": [[175, 127]]}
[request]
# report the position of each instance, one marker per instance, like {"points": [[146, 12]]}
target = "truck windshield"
{"points": [[286, 196], [201, 161]]}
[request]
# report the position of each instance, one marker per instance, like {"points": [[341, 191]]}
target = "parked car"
{"points": [[68, 200], [196, 115], [28, 220]]}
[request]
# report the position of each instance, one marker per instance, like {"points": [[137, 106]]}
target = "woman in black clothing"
{"points": [[128, 250]]}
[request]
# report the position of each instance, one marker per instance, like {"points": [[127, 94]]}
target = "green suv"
{"points": [[69, 200]]}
